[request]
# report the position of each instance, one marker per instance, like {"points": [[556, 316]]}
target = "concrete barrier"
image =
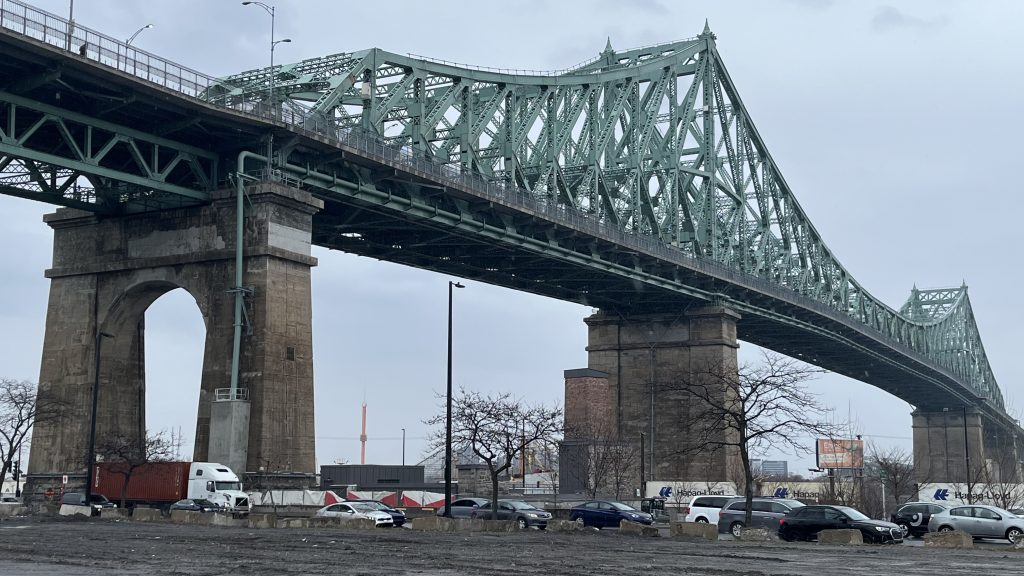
{"points": [[758, 535], [434, 524], [114, 513], [635, 528], [843, 536], [147, 515], [9, 510], [293, 523], [358, 524], [319, 522], [261, 521], [694, 530], [564, 526], [190, 517], [227, 520], [953, 539], [72, 510]]}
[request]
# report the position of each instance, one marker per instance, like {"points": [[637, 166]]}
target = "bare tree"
{"points": [[20, 409], [605, 464], [896, 473], [126, 453], [496, 428], [750, 408]]}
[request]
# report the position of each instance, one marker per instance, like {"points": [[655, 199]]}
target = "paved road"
{"points": [[81, 547]]}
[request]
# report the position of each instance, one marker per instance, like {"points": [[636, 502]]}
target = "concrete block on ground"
{"points": [[114, 513], [358, 524], [72, 510], [434, 524], [323, 522], [953, 539], [9, 510], [638, 529], [845, 536], [564, 526], [227, 520], [293, 523], [261, 521], [758, 535], [189, 517], [147, 515], [694, 530]]}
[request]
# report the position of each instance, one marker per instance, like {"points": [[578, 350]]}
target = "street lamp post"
{"points": [[403, 446], [273, 44], [131, 38], [448, 417], [90, 459]]}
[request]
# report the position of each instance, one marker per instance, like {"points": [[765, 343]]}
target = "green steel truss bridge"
{"points": [[633, 182]]}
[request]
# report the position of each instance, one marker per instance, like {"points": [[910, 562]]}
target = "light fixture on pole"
{"points": [[90, 459], [128, 42], [448, 417], [270, 99]]}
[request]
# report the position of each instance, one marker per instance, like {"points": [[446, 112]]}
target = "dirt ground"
{"points": [[62, 546]]}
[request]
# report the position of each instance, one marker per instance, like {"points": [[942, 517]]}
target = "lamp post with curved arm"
{"points": [[131, 38], [269, 9]]}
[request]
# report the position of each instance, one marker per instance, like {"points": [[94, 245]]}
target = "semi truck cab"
{"points": [[218, 484]]}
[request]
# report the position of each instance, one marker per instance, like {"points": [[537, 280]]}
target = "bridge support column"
{"points": [[943, 443], [647, 357], [107, 271]]}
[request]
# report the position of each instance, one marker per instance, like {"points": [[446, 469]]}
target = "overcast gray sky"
{"points": [[895, 123]]}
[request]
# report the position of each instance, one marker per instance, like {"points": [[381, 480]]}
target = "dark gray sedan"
{"points": [[463, 507], [979, 521], [524, 514], [765, 513]]}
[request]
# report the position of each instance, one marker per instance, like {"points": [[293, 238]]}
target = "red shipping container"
{"points": [[152, 482]]}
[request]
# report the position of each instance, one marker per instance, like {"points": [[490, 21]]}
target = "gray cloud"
{"points": [[889, 18]]}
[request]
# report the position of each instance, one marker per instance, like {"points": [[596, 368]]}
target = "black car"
{"points": [[805, 523], [196, 505], [397, 516], [913, 517], [99, 501], [607, 513], [463, 507]]}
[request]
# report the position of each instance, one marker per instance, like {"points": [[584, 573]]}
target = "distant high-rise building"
{"points": [[778, 468]]}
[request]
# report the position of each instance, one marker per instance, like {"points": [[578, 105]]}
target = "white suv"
{"points": [[705, 509]]}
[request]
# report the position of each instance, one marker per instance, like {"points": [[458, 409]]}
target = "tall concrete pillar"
{"points": [[107, 271], [943, 442], [645, 356]]}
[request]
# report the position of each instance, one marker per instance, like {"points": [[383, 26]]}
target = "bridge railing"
{"points": [[59, 32]]}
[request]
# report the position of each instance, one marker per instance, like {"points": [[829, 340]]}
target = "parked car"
{"points": [[705, 509], [397, 516], [607, 513], [99, 501], [979, 521], [526, 515], [765, 513], [913, 517], [806, 522], [353, 510], [9, 499], [196, 505], [463, 507]]}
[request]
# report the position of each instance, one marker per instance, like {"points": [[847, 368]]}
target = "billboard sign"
{"points": [[840, 453]]}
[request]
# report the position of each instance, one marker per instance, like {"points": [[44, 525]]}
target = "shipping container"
{"points": [[151, 483]]}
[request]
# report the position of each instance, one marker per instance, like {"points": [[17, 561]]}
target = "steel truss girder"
{"points": [[70, 159], [655, 141]]}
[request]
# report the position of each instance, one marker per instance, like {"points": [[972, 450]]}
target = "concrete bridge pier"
{"points": [[648, 359], [107, 271], [942, 443]]}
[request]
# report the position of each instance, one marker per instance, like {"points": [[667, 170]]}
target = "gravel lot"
{"points": [[68, 546]]}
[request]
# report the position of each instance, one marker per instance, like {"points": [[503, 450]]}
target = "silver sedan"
{"points": [[980, 521]]}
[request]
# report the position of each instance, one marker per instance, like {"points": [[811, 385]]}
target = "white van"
{"points": [[705, 509]]}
